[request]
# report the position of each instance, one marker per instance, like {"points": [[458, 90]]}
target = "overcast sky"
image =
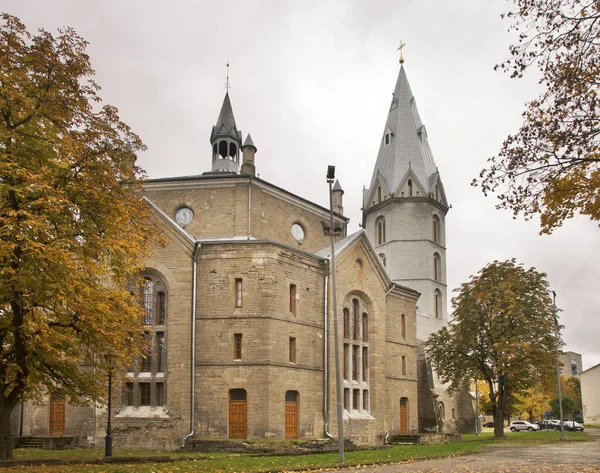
{"points": [[312, 80]]}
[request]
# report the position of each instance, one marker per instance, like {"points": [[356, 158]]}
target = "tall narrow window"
{"points": [[379, 195], [346, 323], [346, 399], [356, 399], [365, 364], [437, 301], [437, 192], [129, 394], [146, 356], [381, 231], [145, 396], [238, 292], [148, 298], [403, 326], [403, 366], [237, 346], [160, 394], [292, 349], [160, 346], [437, 267], [436, 229], [410, 188], [293, 299], [162, 308], [355, 319], [145, 375], [346, 361], [356, 354]]}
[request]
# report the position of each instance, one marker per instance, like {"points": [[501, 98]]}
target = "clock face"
{"points": [[184, 216], [298, 232]]}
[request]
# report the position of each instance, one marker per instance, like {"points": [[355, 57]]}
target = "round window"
{"points": [[298, 232], [184, 216]]}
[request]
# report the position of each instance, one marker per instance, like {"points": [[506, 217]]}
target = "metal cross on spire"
{"points": [[227, 84], [400, 49]]}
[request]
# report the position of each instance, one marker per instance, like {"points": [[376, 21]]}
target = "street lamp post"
{"points": [[562, 427], [110, 366], [340, 420]]}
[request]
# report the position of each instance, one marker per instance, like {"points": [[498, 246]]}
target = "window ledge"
{"points": [[143, 412]]}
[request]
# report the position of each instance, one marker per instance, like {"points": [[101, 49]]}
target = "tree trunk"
{"points": [[6, 443]]}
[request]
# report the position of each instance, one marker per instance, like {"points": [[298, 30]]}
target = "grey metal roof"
{"points": [[337, 186], [408, 146], [225, 125], [338, 245], [249, 142]]}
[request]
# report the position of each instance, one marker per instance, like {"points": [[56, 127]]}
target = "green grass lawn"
{"points": [[227, 462]]}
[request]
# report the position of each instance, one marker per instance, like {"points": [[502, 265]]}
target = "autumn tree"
{"points": [[500, 333], [551, 166], [72, 226]]}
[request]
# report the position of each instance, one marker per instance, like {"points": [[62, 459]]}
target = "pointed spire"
{"points": [[404, 146], [226, 140], [248, 142], [337, 186]]}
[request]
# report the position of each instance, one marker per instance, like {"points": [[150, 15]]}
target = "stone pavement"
{"points": [[564, 457]]}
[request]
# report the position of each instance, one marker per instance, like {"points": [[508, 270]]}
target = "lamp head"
{"points": [[330, 173]]}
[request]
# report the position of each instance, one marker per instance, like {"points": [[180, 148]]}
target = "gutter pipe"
{"points": [[197, 246], [326, 355]]}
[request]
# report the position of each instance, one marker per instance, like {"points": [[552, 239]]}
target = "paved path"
{"points": [[564, 457]]}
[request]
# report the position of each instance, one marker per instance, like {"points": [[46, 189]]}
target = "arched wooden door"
{"points": [[237, 414], [291, 415], [403, 415]]}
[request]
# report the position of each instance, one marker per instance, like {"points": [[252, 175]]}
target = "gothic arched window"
{"points": [[380, 228], [437, 303], [437, 267], [436, 229]]}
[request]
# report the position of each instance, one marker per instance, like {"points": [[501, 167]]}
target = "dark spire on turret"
{"points": [[226, 139]]}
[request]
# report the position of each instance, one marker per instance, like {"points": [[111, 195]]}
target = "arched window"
{"points": [[436, 229], [379, 195], [146, 385], [382, 258], [381, 231], [437, 267], [437, 192], [442, 410], [437, 303], [346, 323], [410, 189], [356, 357]]}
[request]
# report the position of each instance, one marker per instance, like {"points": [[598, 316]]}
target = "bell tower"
{"points": [[226, 140]]}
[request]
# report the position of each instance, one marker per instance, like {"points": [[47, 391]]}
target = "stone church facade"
{"points": [[404, 217], [240, 323]]}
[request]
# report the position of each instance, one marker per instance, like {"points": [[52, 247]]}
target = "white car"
{"points": [[523, 425]]}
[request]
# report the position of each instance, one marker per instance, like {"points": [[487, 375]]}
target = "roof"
{"points": [[408, 147], [225, 125]]}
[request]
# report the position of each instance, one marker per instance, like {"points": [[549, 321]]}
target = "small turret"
{"points": [[226, 140], [336, 197], [248, 153]]}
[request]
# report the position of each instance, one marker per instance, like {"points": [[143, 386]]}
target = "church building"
{"points": [[240, 321]]}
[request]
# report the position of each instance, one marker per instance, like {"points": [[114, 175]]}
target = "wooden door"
{"points": [[57, 418], [404, 415], [237, 414], [291, 415]]}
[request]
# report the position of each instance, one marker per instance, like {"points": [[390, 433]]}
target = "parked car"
{"points": [[549, 424], [573, 426], [488, 424], [518, 425]]}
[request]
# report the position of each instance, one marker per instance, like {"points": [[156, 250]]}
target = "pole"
{"points": [[478, 425], [340, 420], [562, 427], [108, 438]]}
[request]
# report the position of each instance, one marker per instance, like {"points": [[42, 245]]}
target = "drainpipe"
{"points": [[326, 356], [197, 245], [249, 205]]}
